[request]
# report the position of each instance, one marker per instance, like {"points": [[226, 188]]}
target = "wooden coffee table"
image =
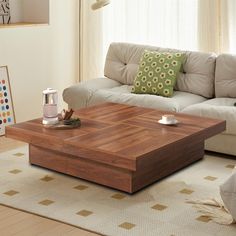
{"points": [[120, 146]]}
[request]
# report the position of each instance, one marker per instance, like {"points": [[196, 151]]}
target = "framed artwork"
{"points": [[5, 16], [7, 115]]}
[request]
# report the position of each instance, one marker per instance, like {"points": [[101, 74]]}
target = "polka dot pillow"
{"points": [[157, 73]]}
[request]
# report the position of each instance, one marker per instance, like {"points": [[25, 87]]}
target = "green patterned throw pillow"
{"points": [[157, 73]]}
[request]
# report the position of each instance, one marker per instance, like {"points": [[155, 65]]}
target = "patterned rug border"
{"points": [[50, 218]]}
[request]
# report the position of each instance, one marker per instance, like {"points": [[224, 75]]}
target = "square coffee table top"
{"points": [[117, 134]]}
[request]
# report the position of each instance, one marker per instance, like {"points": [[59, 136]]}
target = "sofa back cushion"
{"points": [[198, 74], [225, 82]]}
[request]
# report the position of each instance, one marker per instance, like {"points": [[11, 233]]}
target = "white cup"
{"points": [[168, 118]]}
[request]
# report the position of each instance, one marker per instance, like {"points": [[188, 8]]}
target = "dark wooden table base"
{"points": [[162, 165]]}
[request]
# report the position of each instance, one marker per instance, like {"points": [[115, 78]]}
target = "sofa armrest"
{"points": [[78, 96]]}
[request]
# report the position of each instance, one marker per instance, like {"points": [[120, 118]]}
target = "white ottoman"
{"points": [[228, 194]]}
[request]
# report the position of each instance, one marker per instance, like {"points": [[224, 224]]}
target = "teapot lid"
{"points": [[49, 91]]}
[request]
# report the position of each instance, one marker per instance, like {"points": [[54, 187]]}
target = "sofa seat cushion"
{"points": [[122, 94], [219, 108], [222, 143]]}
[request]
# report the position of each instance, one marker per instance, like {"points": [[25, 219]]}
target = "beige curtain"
{"points": [[205, 25], [90, 41], [230, 25], [213, 25]]}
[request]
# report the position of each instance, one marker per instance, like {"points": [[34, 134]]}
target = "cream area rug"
{"points": [[158, 210]]}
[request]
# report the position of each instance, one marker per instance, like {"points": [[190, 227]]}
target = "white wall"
{"points": [[41, 57]]}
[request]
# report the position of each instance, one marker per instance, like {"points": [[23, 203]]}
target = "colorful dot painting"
{"points": [[6, 107]]}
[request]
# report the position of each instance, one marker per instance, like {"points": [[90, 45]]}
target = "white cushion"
{"points": [[225, 81], [122, 94], [219, 108], [199, 69], [228, 194], [222, 143], [78, 96]]}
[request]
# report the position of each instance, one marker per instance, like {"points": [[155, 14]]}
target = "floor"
{"points": [[14, 222]]}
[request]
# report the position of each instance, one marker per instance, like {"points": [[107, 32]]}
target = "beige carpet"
{"points": [[159, 210]]}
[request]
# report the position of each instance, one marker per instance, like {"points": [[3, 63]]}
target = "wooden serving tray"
{"points": [[62, 125]]}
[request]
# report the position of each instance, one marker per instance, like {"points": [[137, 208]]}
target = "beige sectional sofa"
{"points": [[206, 87]]}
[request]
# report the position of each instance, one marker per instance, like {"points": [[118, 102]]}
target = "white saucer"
{"points": [[174, 122]]}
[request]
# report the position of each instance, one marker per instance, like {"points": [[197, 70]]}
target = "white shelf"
{"points": [[21, 24]]}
